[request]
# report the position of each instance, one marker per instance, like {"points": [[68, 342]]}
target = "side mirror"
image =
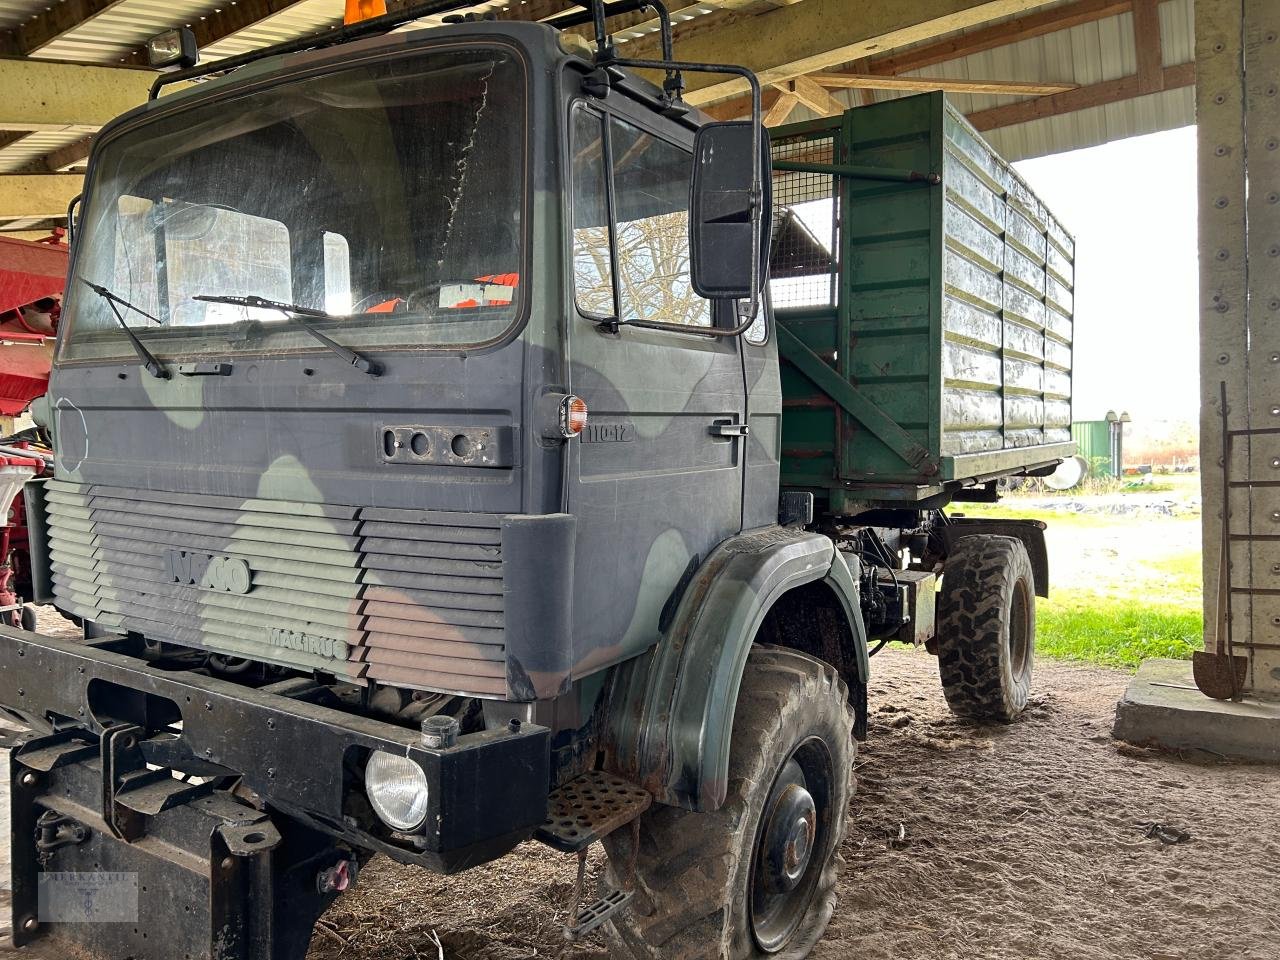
{"points": [[728, 225]]}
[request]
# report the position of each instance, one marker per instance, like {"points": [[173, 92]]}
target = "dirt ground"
{"points": [[1026, 841]]}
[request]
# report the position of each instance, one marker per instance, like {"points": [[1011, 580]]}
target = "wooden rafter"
{"points": [[871, 81], [781, 109], [1081, 98], [815, 96], [1146, 36], [9, 137], [73, 154], [56, 21], [739, 106]]}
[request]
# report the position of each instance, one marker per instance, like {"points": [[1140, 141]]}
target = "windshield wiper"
{"points": [[152, 365], [298, 317]]}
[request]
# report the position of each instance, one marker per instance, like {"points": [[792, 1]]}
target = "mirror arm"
{"points": [[613, 325], [757, 190]]}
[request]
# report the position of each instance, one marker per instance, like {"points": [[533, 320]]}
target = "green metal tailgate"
{"points": [[935, 344]]}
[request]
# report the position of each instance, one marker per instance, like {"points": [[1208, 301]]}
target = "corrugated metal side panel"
{"points": [[1007, 305], [975, 218], [415, 597]]}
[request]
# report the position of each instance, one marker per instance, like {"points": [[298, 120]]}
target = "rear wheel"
{"points": [[987, 628], [755, 878]]}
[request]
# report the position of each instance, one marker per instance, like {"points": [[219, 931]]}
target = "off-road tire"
{"points": [[693, 873], [987, 628]]}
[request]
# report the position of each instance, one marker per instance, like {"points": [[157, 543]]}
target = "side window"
{"points": [[592, 253], [649, 242], [651, 190]]}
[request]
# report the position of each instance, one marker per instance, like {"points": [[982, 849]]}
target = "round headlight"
{"points": [[397, 788]]}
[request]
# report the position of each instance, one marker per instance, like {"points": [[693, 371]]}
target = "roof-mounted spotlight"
{"points": [[173, 50]]}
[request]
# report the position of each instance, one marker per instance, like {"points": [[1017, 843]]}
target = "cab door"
{"points": [[656, 478]]}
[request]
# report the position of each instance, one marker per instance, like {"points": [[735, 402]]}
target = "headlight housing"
{"points": [[397, 788]]}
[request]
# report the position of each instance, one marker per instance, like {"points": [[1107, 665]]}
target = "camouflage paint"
{"points": [[514, 583]]}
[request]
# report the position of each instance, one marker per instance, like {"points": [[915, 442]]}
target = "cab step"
{"points": [[588, 808], [597, 912]]}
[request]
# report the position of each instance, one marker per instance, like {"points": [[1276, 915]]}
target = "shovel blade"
{"points": [[1212, 673]]}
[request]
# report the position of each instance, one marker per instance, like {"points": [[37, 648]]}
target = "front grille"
{"points": [[407, 597]]}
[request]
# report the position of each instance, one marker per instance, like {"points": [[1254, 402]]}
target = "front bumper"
{"points": [[487, 793]]}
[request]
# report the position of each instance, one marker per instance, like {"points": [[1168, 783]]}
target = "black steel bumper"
{"points": [[487, 793]]}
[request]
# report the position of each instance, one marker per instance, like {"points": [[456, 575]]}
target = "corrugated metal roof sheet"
{"points": [[14, 13], [1086, 54], [36, 145], [307, 16], [124, 28]]}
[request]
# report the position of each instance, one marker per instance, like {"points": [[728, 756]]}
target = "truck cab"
{"points": [[417, 493]]}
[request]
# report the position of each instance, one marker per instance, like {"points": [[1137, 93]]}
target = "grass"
{"points": [[1115, 632]]}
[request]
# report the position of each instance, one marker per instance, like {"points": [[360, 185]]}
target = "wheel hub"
{"points": [[792, 843], [788, 839]]}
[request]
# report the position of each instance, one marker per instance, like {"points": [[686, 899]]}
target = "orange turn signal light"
{"points": [[573, 416]]}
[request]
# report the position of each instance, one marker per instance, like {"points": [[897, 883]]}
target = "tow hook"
{"points": [[55, 830], [338, 878]]}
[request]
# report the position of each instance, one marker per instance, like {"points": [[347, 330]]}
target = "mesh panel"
{"points": [[802, 270]]}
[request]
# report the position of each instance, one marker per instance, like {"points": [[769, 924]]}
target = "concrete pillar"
{"points": [[1238, 113]]}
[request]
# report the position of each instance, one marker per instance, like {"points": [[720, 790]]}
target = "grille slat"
{"points": [[407, 597]]}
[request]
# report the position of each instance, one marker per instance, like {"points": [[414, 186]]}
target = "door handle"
{"points": [[727, 429]]}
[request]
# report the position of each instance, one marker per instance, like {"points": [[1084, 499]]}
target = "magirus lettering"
{"points": [[307, 643]]}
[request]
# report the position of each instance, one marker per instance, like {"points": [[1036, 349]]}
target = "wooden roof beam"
{"points": [[816, 97], [73, 154], [781, 109], [1081, 98], [782, 43], [1146, 38], [871, 81], [37, 195], [50, 95], [53, 23], [998, 35]]}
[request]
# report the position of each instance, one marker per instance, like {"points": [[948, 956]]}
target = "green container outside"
{"points": [[1093, 442], [934, 347]]}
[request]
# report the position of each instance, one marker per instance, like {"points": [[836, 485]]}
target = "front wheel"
{"points": [[987, 628], [755, 878]]}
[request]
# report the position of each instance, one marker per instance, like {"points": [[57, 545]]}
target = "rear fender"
{"points": [[1030, 532], [672, 710]]}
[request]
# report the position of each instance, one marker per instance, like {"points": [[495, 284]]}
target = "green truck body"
{"points": [[943, 322]]}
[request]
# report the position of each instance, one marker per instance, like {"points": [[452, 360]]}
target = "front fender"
{"points": [[672, 710]]}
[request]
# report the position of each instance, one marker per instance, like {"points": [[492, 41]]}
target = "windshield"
{"points": [[390, 195]]}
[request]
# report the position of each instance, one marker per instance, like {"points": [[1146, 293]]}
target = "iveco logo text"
{"points": [[213, 573], [307, 643]]}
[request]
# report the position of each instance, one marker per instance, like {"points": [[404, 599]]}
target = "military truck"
{"points": [[433, 474]]}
